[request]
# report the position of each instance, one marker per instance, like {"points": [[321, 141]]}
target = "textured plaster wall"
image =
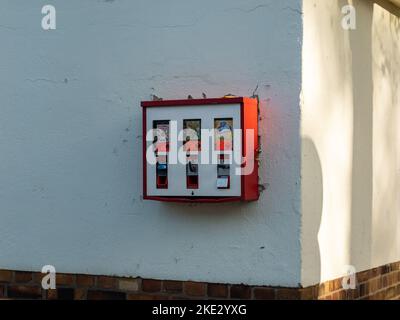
{"points": [[70, 137], [350, 139]]}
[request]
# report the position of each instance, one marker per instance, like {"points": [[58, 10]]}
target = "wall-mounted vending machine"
{"points": [[200, 150]]}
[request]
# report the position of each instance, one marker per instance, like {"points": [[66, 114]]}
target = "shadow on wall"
{"points": [[374, 52], [362, 162], [313, 201], [386, 133], [345, 194]]}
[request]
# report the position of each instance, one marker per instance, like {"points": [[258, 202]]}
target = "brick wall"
{"points": [[378, 283]]}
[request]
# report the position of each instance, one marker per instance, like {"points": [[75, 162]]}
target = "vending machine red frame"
{"points": [[249, 120]]}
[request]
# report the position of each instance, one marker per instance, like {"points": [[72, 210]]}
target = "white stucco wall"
{"points": [[70, 137], [350, 139]]}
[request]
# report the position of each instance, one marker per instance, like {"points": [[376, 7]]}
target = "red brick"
{"points": [[349, 294], [196, 289], [353, 294], [343, 294], [335, 285], [335, 296], [385, 281], [105, 282], [146, 297], [65, 279], [85, 280], [240, 292], [396, 266], [308, 293], [264, 293], [374, 272], [217, 290], [80, 294], [330, 286], [363, 289], [388, 280], [390, 293], [24, 292], [6, 276], [323, 289], [338, 284], [173, 286], [362, 276], [316, 291], [23, 277], [37, 277], [377, 296], [394, 277], [288, 294], [386, 269], [105, 295], [128, 285], [375, 284], [149, 285], [51, 294]]}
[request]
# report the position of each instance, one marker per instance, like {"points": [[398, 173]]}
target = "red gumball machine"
{"points": [[200, 150]]}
